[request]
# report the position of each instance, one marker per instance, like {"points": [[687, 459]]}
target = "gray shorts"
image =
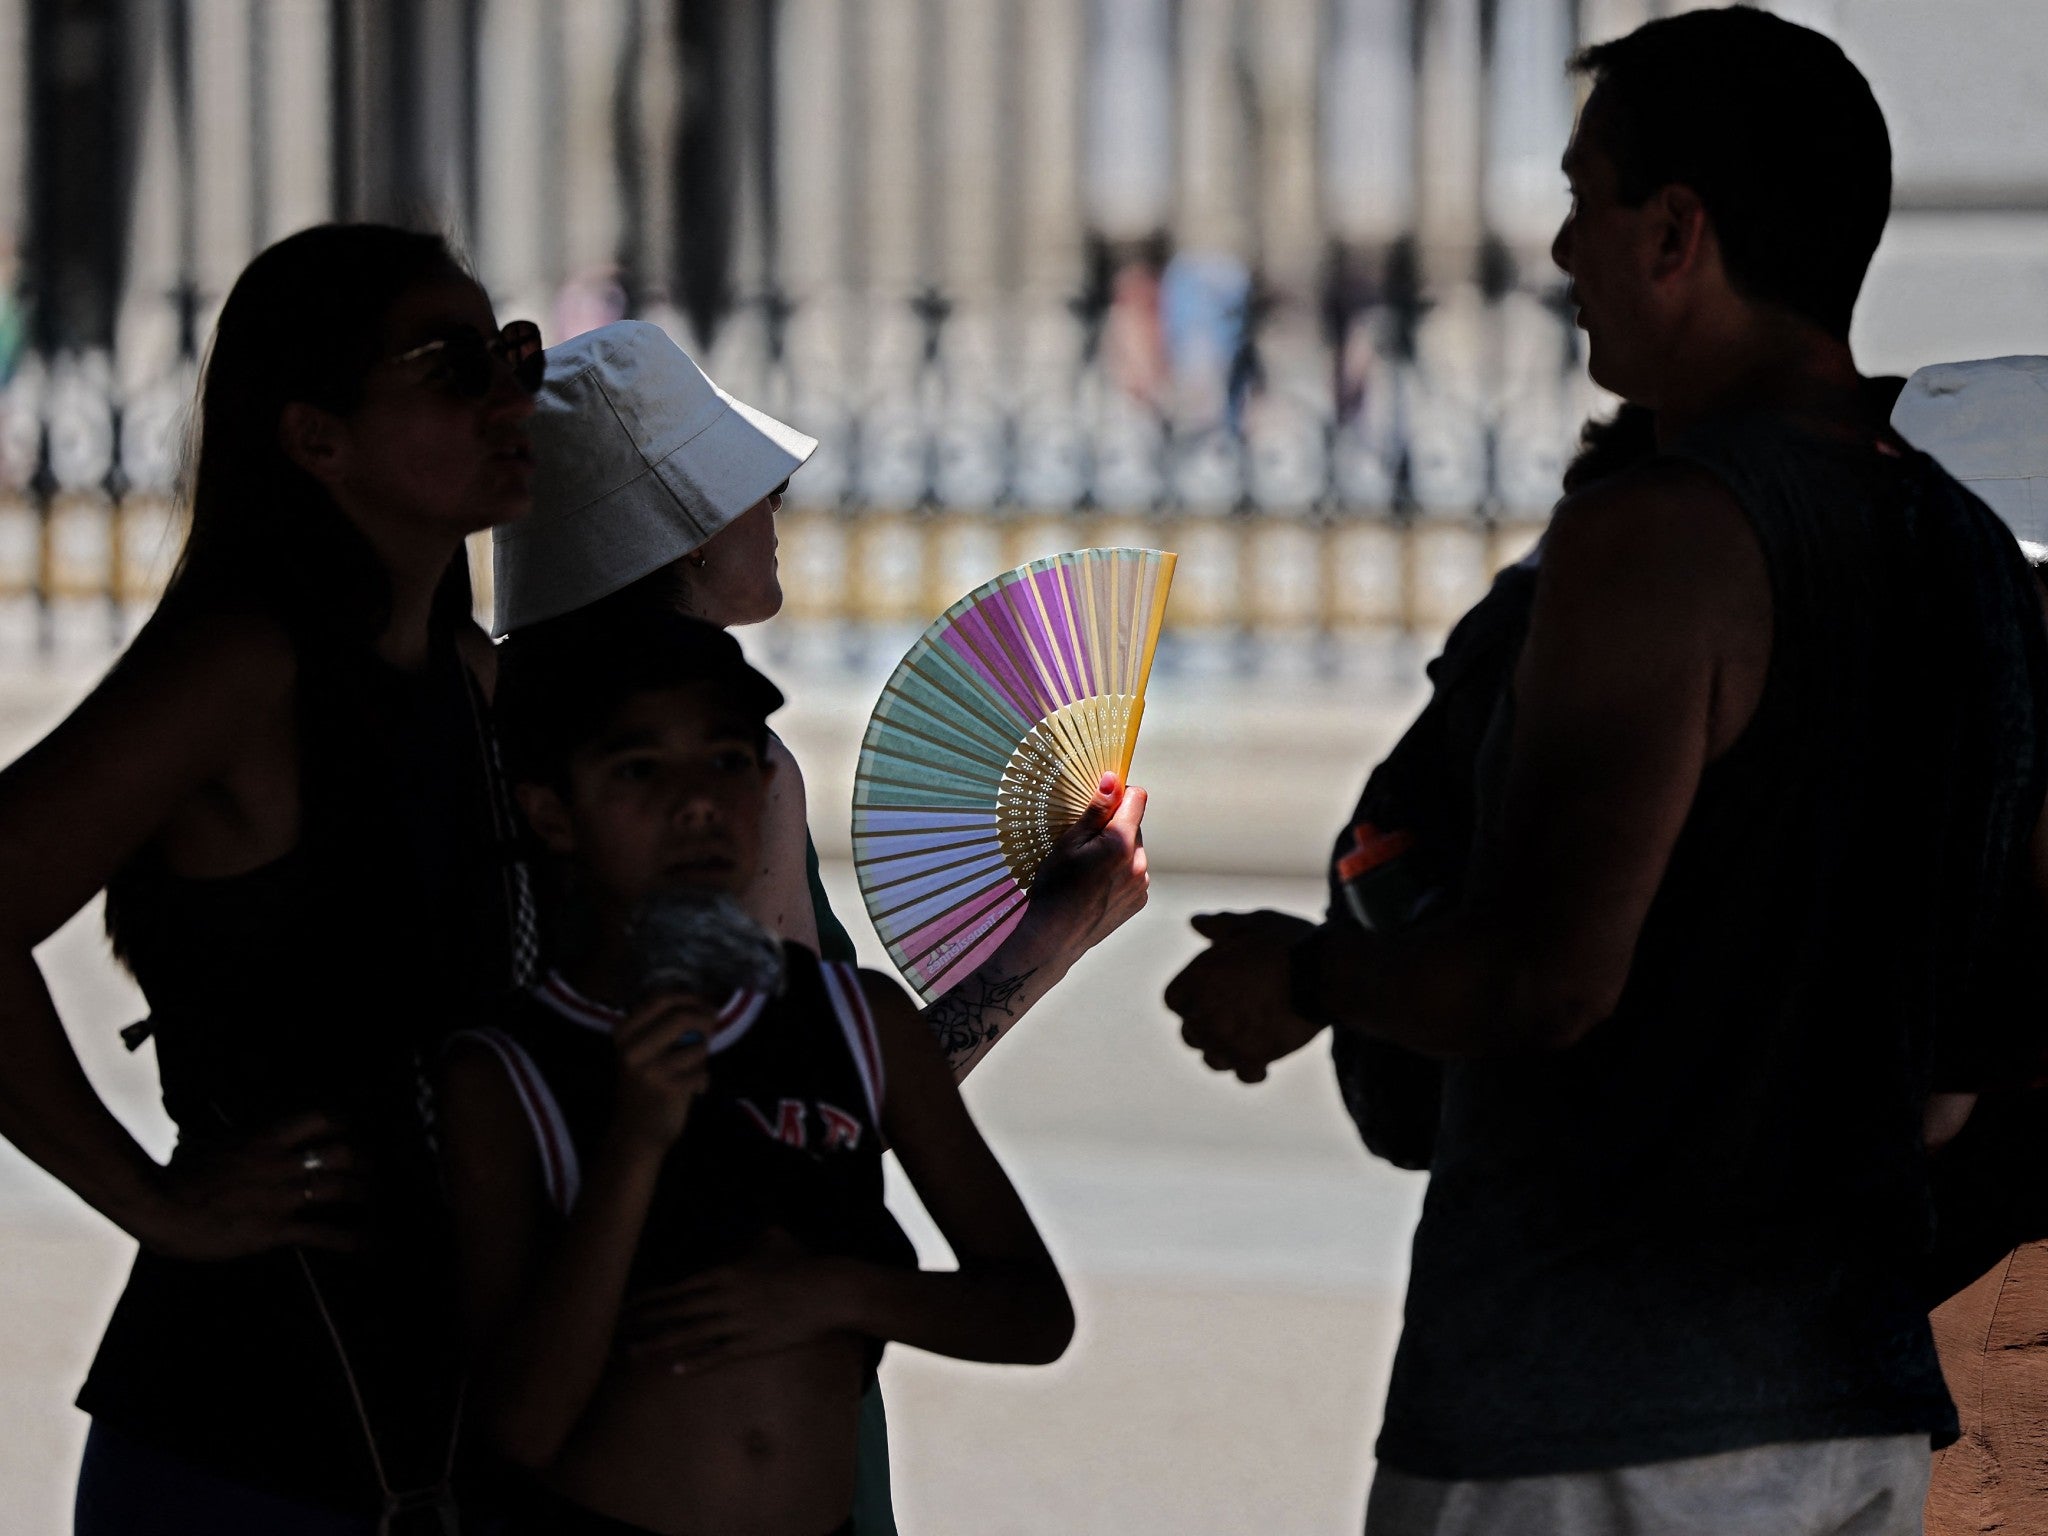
{"points": [[1864, 1487]]}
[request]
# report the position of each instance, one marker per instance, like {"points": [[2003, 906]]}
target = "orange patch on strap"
{"points": [[1370, 848]]}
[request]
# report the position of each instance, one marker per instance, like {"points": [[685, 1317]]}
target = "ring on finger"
{"points": [[312, 1161]]}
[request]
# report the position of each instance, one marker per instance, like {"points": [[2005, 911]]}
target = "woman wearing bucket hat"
{"points": [[655, 486]]}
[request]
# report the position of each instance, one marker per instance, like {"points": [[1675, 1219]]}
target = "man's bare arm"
{"points": [[1645, 659]]}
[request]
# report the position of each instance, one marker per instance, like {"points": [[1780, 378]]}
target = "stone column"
{"points": [[899, 250], [1530, 350], [1368, 158], [1049, 52], [521, 220], [438, 159], [1284, 41], [1214, 207], [146, 333], [810, 146], [222, 152], [1049, 80], [1450, 88], [978, 150], [820, 220], [898, 123], [655, 70], [14, 99], [592, 41], [1129, 159], [1529, 100], [294, 136]]}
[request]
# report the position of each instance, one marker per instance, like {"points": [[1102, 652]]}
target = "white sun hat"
{"points": [[1986, 423], [638, 459]]}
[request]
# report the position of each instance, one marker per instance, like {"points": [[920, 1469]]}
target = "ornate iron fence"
{"points": [[1266, 280]]}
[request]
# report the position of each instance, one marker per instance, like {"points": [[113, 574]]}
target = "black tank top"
{"points": [[1700, 1228], [322, 981], [787, 1136]]}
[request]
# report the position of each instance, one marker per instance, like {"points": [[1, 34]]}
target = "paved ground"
{"points": [[1236, 1259]]}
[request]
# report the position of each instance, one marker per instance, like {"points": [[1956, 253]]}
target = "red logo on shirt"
{"points": [[841, 1131], [788, 1126]]}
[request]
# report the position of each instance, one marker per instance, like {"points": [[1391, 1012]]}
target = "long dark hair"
{"points": [[303, 323]]}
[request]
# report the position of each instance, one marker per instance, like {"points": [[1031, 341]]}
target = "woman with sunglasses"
{"points": [[286, 789]]}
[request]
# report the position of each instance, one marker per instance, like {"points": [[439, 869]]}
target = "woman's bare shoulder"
{"points": [[245, 657]]}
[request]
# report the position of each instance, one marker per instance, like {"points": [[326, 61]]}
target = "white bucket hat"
{"points": [[1986, 423], [638, 459]]}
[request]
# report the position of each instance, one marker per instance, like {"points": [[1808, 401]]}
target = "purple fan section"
{"points": [[998, 635], [995, 914]]}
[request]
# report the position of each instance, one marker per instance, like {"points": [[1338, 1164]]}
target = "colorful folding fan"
{"points": [[988, 743]]}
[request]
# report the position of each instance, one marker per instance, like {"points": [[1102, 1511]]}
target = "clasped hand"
{"points": [[772, 1300], [1233, 998], [230, 1198]]}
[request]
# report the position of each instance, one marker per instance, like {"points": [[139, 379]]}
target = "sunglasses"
{"points": [[466, 365]]}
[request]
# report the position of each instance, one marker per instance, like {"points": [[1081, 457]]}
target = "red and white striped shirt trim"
{"points": [[733, 1020], [560, 1171], [850, 1004]]}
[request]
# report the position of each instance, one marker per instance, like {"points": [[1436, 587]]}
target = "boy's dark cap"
{"points": [[560, 680]]}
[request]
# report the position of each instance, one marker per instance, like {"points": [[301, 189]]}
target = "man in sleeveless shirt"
{"points": [[1768, 774]]}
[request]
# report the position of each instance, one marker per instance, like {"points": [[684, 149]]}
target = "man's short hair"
{"points": [[563, 681], [1776, 131]]}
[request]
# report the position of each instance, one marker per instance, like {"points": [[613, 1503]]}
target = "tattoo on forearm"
{"points": [[975, 1012]]}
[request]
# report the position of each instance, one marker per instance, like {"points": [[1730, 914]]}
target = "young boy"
{"points": [[676, 1256]]}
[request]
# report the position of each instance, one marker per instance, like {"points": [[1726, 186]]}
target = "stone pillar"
{"points": [[899, 251], [1048, 258], [147, 333], [978, 150], [520, 219], [1449, 148], [1530, 348], [14, 100], [651, 76], [441, 82], [1129, 160], [293, 139], [1214, 208], [221, 156], [1368, 158], [810, 146], [1284, 41], [1529, 101], [1049, 79], [593, 37]]}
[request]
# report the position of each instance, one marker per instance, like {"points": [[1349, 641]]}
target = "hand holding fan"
{"points": [[989, 742]]}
